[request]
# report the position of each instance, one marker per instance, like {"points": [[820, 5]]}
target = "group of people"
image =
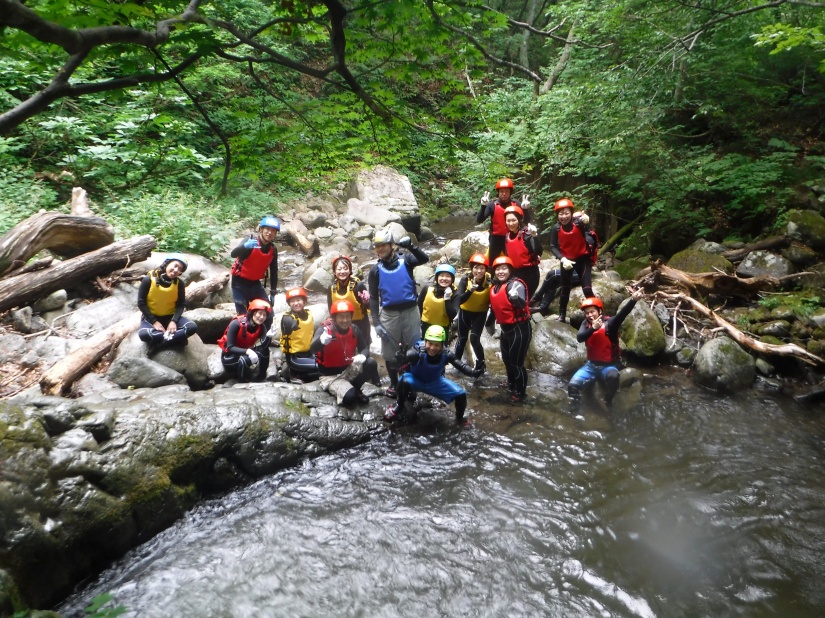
{"points": [[413, 326]]}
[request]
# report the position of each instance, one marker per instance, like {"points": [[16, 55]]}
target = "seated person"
{"points": [[423, 372], [161, 299], [245, 343], [343, 356], [297, 328]]}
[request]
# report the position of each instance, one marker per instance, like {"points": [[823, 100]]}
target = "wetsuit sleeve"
{"points": [[273, 271], [372, 281], [554, 242], [615, 323], [452, 306], [459, 364], [240, 251], [463, 292], [329, 294], [231, 338], [485, 211], [584, 332], [180, 304], [421, 296], [143, 293], [533, 244], [361, 338], [521, 300], [288, 325], [415, 257]]}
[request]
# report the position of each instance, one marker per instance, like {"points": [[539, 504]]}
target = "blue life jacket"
{"points": [[426, 371], [396, 286]]}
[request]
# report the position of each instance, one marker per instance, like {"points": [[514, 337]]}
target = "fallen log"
{"points": [[23, 289], [774, 242], [60, 377], [64, 235], [297, 233], [623, 231], [785, 349]]}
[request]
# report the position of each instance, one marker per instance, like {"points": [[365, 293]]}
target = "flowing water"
{"points": [[689, 504]]}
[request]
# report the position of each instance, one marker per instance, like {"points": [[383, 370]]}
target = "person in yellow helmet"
{"points": [[161, 300]]}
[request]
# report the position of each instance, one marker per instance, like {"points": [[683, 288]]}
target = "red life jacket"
{"points": [[572, 244], [498, 226], [503, 309], [253, 267], [516, 249], [600, 349], [244, 338], [338, 352]]}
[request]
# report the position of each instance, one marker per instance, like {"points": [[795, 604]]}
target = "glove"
{"points": [[532, 228], [584, 219], [272, 332], [525, 202], [381, 331], [253, 356], [448, 293], [405, 242], [512, 294], [364, 296], [358, 359], [566, 264], [252, 243], [485, 198], [325, 338]]}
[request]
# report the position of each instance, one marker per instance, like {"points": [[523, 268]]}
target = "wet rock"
{"points": [[764, 367], [764, 264], [191, 361], [641, 333], [724, 366], [686, 356], [101, 425], [777, 328], [141, 373], [554, 349], [692, 261], [662, 313], [92, 383], [799, 255], [707, 246]]}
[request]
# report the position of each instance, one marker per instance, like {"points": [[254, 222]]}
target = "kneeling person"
{"points": [[424, 373], [343, 356], [245, 343]]}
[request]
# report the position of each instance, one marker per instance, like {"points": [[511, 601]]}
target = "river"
{"points": [[689, 504]]}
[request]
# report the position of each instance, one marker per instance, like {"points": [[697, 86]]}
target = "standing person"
{"points": [[523, 247], [347, 286], [245, 343], [255, 258], [393, 301], [549, 288], [600, 335], [343, 355], [424, 373], [437, 303], [494, 210], [572, 243], [297, 329], [474, 304], [508, 300], [161, 300]]}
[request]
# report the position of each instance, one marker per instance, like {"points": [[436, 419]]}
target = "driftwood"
{"points": [[80, 203], [297, 233], [64, 235], [22, 289], [785, 349], [32, 266], [775, 242], [60, 377]]}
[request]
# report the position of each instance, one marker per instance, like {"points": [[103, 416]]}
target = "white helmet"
{"points": [[382, 237]]}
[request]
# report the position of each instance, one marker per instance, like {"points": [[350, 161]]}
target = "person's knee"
{"points": [[349, 397]]}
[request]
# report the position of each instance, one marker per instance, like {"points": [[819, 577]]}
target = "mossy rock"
{"points": [[807, 226], [771, 340], [691, 261], [817, 346], [629, 269]]}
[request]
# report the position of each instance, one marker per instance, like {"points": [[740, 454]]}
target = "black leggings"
{"points": [[151, 335], [548, 290], [582, 267], [242, 366], [302, 365], [470, 324], [515, 341]]}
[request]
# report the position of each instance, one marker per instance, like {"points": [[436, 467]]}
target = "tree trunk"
{"points": [[297, 231], [197, 292], [737, 255], [65, 235], [23, 289]]}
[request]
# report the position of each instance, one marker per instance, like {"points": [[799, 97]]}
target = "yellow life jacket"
{"points": [[348, 295], [160, 300], [433, 310], [478, 301], [299, 339]]}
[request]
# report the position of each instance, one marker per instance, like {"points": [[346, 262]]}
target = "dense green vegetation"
{"points": [[697, 119]]}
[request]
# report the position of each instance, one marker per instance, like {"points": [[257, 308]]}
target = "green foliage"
{"points": [[802, 304], [784, 37], [97, 607], [21, 194]]}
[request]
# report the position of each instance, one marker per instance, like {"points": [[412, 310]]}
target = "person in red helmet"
{"points": [[572, 243], [494, 210], [508, 300], [245, 343], [343, 355], [474, 304], [600, 334], [523, 247]]}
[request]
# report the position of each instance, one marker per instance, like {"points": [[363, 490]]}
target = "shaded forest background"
{"points": [[190, 120]]}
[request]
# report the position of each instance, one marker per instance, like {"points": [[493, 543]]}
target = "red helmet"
{"points": [[256, 304], [592, 302], [342, 257], [341, 306], [502, 259], [564, 202], [478, 258], [295, 293], [504, 183], [516, 210]]}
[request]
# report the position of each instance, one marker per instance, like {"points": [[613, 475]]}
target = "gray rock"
{"points": [[92, 383], [776, 328], [211, 322], [708, 247], [52, 302], [724, 366], [474, 242], [554, 349], [189, 361], [97, 316], [214, 367], [799, 255], [764, 367], [699, 262], [138, 372], [12, 345], [764, 264], [642, 333], [808, 227], [384, 187], [21, 320], [313, 219], [661, 312], [370, 214], [58, 419], [686, 356], [323, 233]]}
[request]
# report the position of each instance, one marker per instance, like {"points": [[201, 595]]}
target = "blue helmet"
{"points": [[270, 221], [445, 268], [178, 257]]}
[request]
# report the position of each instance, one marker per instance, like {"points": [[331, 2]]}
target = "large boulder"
{"points": [[641, 333], [95, 317], [474, 242], [764, 264], [191, 361], [211, 322], [724, 366], [385, 188], [807, 226], [554, 349], [692, 261], [370, 214], [140, 372]]}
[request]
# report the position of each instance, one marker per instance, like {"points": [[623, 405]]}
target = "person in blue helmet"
{"points": [[161, 300], [438, 303], [256, 261], [423, 372]]}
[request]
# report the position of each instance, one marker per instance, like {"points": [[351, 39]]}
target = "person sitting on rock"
{"points": [[600, 334], [297, 328], [256, 260], [161, 300], [347, 286], [245, 343], [438, 303], [549, 288], [343, 356], [423, 372], [474, 304]]}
